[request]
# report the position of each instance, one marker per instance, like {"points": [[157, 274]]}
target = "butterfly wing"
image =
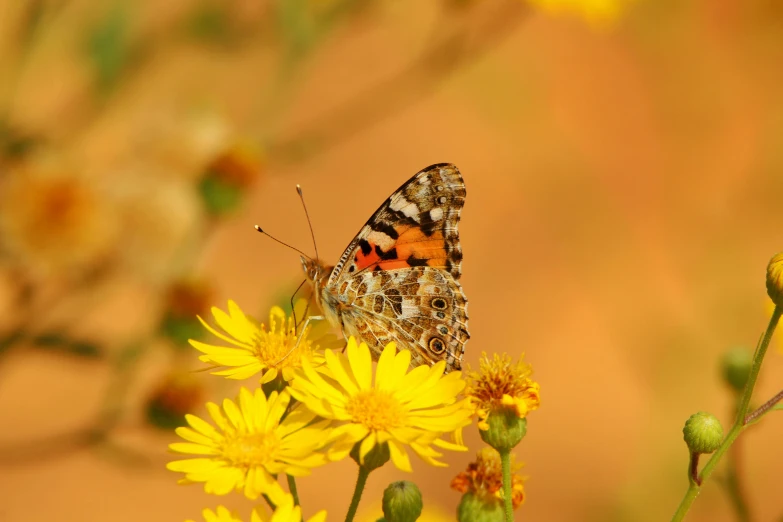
{"points": [[398, 277], [415, 226]]}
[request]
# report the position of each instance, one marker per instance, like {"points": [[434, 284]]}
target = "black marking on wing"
{"points": [[415, 261], [386, 229], [385, 256]]}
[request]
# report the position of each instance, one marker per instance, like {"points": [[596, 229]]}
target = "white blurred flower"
{"points": [[187, 142], [161, 223]]}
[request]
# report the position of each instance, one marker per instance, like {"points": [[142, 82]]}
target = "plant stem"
{"points": [[693, 469], [505, 462], [739, 422], [764, 408], [734, 484], [292, 489], [361, 481]]}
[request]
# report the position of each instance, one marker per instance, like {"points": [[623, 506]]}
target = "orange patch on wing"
{"points": [[413, 242]]}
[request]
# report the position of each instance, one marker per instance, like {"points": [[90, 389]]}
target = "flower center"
{"points": [[277, 346], [258, 449], [377, 410]]}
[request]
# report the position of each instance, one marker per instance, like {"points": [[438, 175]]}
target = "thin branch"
{"points": [[421, 78]]}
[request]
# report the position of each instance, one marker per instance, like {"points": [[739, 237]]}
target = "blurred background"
{"points": [[623, 165]]}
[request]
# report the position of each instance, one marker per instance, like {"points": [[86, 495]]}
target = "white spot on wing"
{"points": [[406, 207], [436, 214], [382, 240]]}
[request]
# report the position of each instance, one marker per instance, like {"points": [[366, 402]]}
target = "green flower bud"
{"points": [[775, 279], [736, 367], [402, 502], [377, 456], [228, 177], [219, 197], [506, 429], [472, 509], [185, 299], [703, 433]]}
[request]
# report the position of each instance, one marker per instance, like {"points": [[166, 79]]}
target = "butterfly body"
{"points": [[398, 279]]}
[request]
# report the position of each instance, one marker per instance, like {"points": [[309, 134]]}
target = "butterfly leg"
{"points": [[300, 337]]}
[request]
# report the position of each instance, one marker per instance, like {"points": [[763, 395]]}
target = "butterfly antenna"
{"points": [[309, 223], [273, 238]]}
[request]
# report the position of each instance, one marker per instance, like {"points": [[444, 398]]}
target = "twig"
{"points": [[418, 80]]}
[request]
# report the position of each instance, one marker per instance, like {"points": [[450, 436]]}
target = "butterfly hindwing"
{"points": [[421, 308]]}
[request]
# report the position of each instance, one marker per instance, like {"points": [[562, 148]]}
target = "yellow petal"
{"points": [[384, 372], [399, 456], [337, 365]]}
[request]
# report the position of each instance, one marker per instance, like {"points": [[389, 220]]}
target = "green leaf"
{"points": [[56, 341], [109, 48], [209, 22]]}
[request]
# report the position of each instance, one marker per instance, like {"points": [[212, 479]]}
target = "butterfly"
{"points": [[398, 278]]}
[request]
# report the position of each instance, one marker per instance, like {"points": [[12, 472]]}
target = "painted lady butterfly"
{"points": [[397, 280]]}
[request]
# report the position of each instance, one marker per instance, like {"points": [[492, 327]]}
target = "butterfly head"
{"points": [[314, 271]]}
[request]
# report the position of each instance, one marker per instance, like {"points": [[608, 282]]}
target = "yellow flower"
{"points": [[221, 514], [286, 511], [484, 478], [250, 445], [775, 279], [501, 385], [597, 12], [400, 408], [255, 349]]}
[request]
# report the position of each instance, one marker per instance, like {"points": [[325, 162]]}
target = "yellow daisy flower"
{"points": [[596, 12], [250, 446], [221, 514], [255, 348], [501, 385], [400, 408], [484, 478], [286, 511]]}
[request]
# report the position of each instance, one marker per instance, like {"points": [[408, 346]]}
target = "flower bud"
{"points": [[703, 433], [185, 300], [374, 459], [775, 279], [176, 395], [735, 367], [228, 177], [473, 509], [506, 429], [402, 502]]}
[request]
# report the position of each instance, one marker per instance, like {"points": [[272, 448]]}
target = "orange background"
{"points": [[624, 197]]}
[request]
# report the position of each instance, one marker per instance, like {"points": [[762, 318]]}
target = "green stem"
{"points": [[292, 489], [734, 485], [733, 481], [739, 422], [361, 481], [505, 462]]}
